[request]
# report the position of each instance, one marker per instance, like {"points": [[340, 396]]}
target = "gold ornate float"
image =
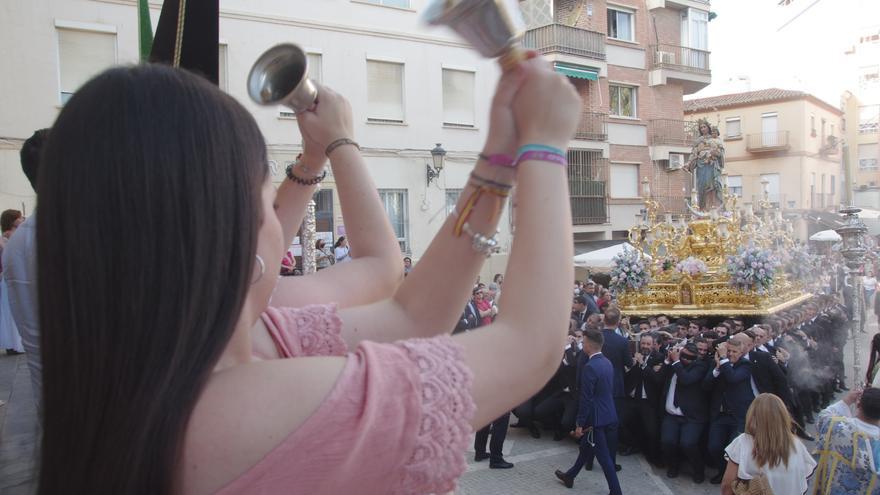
{"points": [[710, 236]]}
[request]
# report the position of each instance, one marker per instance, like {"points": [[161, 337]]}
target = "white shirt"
{"points": [[20, 272], [781, 478], [670, 397], [869, 283], [342, 254]]}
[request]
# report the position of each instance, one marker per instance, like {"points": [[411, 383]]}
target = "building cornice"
{"points": [[809, 98], [319, 25]]}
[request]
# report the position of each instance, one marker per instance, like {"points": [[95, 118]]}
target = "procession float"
{"points": [[717, 259]]}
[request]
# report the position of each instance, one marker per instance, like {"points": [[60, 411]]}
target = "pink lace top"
{"points": [[395, 422]]}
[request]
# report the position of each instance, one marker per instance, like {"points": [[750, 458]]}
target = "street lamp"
{"points": [[438, 156], [854, 252]]}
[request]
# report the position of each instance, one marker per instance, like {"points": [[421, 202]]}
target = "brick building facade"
{"points": [[646, 55]]}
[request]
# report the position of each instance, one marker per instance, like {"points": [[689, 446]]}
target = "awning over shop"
{"points": [[577, 71]]}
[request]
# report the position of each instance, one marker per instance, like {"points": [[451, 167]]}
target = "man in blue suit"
{"points": [[597, 418]]}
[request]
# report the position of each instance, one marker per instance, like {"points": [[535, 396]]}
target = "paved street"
{"points": [[535, 459]]}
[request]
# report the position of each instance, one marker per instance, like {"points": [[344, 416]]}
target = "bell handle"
{"points": [[512, 57]]}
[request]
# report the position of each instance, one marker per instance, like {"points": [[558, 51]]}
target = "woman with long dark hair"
{"points": [[163, 355]]}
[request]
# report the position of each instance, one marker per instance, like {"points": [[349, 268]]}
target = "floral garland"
{"points": [[752, 268], [629, 272], [691, 266]]}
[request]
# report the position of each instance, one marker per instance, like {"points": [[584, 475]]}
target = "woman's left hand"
{"points": [[502, 137]]}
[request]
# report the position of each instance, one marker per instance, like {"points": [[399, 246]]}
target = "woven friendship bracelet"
{"points": [[499, 160], [474, 198], [340, 142], [543, 156], [300, 180], [538, 147], [486, 182]]}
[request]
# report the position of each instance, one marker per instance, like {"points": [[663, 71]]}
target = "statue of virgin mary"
{"points": [[706, 163]]}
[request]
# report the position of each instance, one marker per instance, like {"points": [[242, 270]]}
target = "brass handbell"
{"points": [[280, 77], [485, 24]]}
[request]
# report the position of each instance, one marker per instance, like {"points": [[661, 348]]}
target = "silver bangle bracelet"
{"points": [[487, 246]]}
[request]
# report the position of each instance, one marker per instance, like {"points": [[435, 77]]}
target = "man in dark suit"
{"points": [[687, 410], [470, 318], [581, 308], [597, 418], [616, 350], [730, 383], [639, 414]]}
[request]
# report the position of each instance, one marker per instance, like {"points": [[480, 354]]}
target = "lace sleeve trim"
{"points": [[447, 407]]}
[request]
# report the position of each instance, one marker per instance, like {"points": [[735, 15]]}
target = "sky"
{"points": [[757, 44]]}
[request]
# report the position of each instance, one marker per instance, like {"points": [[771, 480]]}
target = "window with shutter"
{"points": [[81, 56], [458, 98], [624, 180], [384, 92]]}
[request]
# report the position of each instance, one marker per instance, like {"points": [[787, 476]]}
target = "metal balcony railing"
{"points": [[559, 38], [592, 127], [587, 186], [768, 141], [679, 58], [673, 132]]}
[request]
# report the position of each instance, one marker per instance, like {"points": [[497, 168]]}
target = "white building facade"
{"points": [[411, 87]]}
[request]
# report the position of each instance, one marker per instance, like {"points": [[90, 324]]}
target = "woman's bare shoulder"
{"points": [[246, 411]]}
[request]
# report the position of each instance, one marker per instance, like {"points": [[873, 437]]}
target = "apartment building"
{"points": [[862, 107], [784, 141], [411, 87], [632, 61]]}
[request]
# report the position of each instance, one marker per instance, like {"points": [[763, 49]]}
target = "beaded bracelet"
{"points": [[487, 246], [305, 182]]}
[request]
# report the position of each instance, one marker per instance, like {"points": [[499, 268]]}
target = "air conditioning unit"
{"points": [[662, 57], [676, 161]]}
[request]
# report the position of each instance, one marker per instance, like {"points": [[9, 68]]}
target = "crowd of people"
{"points": [[682, 388]]}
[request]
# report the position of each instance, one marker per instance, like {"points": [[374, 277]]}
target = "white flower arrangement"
{"points": [[691, 266], [629, 272], [753, 268]]}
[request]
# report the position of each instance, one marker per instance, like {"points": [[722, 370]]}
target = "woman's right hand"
{"points": [[328, 121], [546, 108]]}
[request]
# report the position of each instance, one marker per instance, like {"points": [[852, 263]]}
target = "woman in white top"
{"points": [[870, 285], [342, 250], [768, 449]]}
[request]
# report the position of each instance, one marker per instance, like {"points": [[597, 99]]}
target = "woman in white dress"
{"points": [[768, 454], [9, 338]]}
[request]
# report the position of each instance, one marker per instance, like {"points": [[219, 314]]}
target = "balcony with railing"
{"points": [[683, 65], [678, 4], [592, 127], [587, 185], [680, 58], [768, 141], [670, 132], [569, 40]]}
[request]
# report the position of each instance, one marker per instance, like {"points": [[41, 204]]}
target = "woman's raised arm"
{"points": [[517, 354], [376, 268]]}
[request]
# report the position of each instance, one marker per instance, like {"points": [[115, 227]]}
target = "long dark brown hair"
{"points": [[148, 220]]}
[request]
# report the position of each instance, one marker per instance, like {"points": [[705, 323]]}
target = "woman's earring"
{"points": [[262, 269]]}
